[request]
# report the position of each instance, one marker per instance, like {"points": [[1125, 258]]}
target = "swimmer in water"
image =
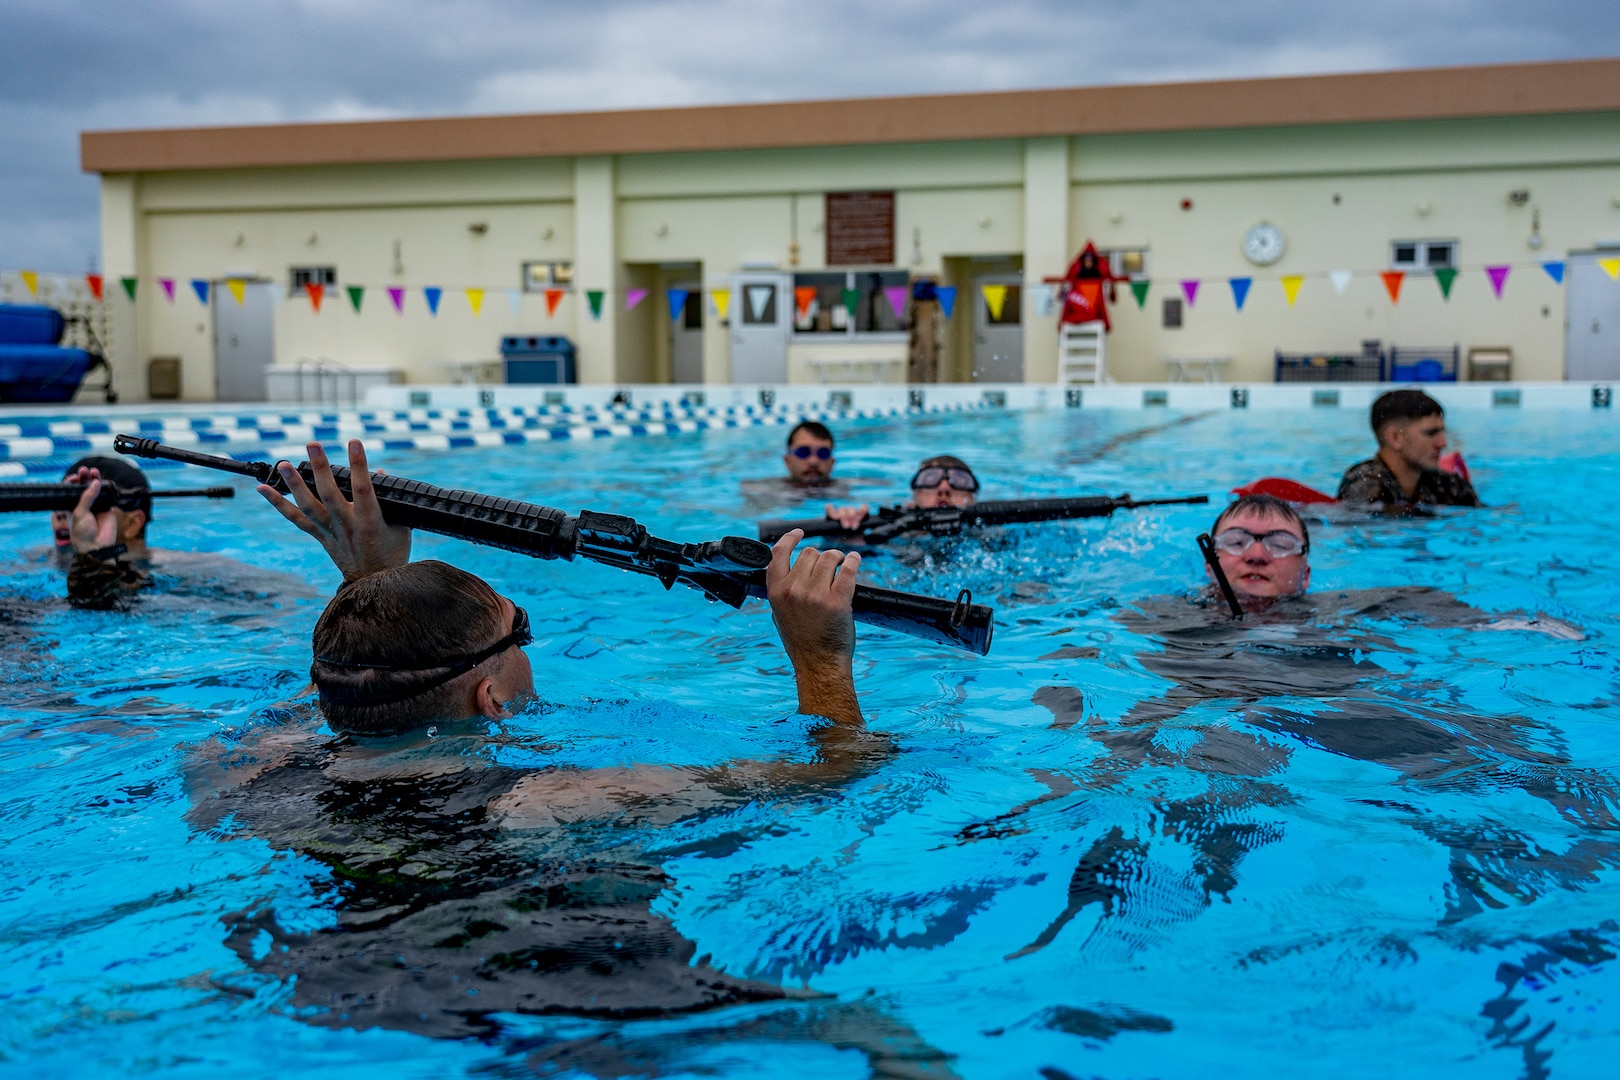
{"points": [[809, 461], [1406, 473], [108, 552], [942, 480]]}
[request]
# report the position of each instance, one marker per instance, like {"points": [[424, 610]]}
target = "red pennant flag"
{"points": [[553, 298], [803, 297], [315, 294], [94, 281], [1392, 282]]}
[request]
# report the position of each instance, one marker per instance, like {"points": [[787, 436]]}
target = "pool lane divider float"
{"points": [[729, 570], [272, 434]]}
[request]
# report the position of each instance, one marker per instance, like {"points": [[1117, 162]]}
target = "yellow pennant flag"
{"points": [[995, 298], [475, 300], [722, 301], [238, 288], [31, 279], [1291, 284], [1610, 267]]}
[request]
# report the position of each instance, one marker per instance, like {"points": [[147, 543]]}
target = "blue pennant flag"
{"points": [[433, 293], [1240, 290], [677, 303], [947, 299], [200, 287], [1555, 270]]}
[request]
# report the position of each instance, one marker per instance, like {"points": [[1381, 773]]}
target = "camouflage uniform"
{"points": [[1371, 481]]}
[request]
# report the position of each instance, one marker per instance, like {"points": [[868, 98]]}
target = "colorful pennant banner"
{"points": [[475, 300], [946, 295], [432, 294], [995, 299], [1291, 284], [803, 297], [1240, 290], [677, 303], [129, 284], [1498, 276], [316, 294], [1392, 284], [554, 297], [896, 296], [396, 296], [1189, 289], [1443, 277], [1139, 289], [357, 293], [238, 289], [721, 299], [634, 297], [593, 297], [95, 282], [30, 278]]}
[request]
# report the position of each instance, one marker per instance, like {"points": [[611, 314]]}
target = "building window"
{"points": [[540, 276], [1127, 262], [822, 302], [1420, 256], [304, 276]]}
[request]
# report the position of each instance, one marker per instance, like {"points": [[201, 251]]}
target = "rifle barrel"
{"points": [[17, 498], [947, 520]]}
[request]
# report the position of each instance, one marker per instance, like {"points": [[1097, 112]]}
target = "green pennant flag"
{"points": [[1445, 276], [593, 297], [1139, 290], [356, 293], [129, 287], [852, 297]]}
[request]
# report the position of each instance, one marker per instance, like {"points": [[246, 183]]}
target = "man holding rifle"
{"points": [[109, 552]]}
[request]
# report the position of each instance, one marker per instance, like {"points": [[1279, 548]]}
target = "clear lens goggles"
{"points": [[805, 453], [1279, 543], [960, 479]]}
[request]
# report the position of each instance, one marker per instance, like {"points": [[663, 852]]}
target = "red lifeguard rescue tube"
{"points": [[1287, 490]]}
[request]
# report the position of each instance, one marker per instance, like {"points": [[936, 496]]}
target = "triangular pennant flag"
{"points": [[514, 300], [947, 299], [1444, 277], [356, 293], [168, 287], [1611, 267], [995, 298], [316, 294], [593, 297], [1240, 290], [722, 302], [200, 287], [554, 297], [1555, 270], [238, 289], [677, 303], [94, 281], [1139, 289], [396, 296], [1498, 276], [129, 284], [803, 297], [1340, 279], [851, 299], [30, 279], [1189, 289], [634, 297], [896, 296], [431, 294], [1291, 284], [475, 300], [1392, 283]]}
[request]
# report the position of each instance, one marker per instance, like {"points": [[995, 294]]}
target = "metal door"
{"points": [[1592, 326], [686, 336], [244, 341], [761, 315], [998, 336]]}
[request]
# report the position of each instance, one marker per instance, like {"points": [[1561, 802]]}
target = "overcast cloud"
{"points": [[72, 65]]}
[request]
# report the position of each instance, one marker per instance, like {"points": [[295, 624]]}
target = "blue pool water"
{"points": [[1133, 841]]}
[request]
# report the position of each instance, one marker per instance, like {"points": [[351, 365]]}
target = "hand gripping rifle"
{"points": [[20, 497], [730, 569], [886, 523]]}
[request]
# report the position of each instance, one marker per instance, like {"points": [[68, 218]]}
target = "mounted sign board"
{"points": [[860, 228]]}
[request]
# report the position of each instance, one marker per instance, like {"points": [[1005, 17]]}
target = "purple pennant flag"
{"points": [[1240, 291], [200, 287], [1498, 276], [433, 293], [677, 303], [1555, 270], [896, 295], [168, 287], [946, 295], [1189, 289], [634, 297], [397, 295]]}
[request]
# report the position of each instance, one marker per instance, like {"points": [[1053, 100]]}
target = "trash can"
{"points": [[532, 360]]}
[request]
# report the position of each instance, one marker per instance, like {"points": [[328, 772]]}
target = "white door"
{"points": [[1592, 329], [686, 335], [761, 316], [244, 341], [998, 336]]}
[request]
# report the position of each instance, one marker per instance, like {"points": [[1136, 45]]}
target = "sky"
{"points": [[68, 66]]}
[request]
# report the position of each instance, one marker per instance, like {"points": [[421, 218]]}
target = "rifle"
{"points": [[888, 522], [730, 569], [20, 497]]}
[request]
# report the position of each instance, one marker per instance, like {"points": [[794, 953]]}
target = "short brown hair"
{"points": [[813, 429], [1266, 506], [388, 631]]}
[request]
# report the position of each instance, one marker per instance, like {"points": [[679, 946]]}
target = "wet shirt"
{"points": [[1371, 481]]}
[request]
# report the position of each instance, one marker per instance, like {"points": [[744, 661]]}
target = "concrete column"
{"points": [[596, 266], [121, 257], [1046, 247]]}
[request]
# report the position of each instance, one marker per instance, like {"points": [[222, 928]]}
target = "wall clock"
{"points": [[1263, 244]]}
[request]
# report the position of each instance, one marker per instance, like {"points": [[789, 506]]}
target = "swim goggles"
{"points": [[929, 477], [803, 453], [454, 666], [1279, 543]]}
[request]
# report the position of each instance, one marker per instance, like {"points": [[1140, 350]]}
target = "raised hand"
{"points": [[91, 531], [849, 517], [810, 601], [353, 533]]}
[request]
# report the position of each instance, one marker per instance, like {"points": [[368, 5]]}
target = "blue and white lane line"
{"points": [[48, 455]]}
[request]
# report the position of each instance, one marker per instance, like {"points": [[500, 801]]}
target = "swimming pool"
{"points": [[1372, 841]]}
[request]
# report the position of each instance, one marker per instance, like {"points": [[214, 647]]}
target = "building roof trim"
{"points": [[1377, 97]]}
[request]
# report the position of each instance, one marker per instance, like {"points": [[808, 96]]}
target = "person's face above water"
{"points": [[809, 459], [935, 485], [1418, 442], [1254, 571]]}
